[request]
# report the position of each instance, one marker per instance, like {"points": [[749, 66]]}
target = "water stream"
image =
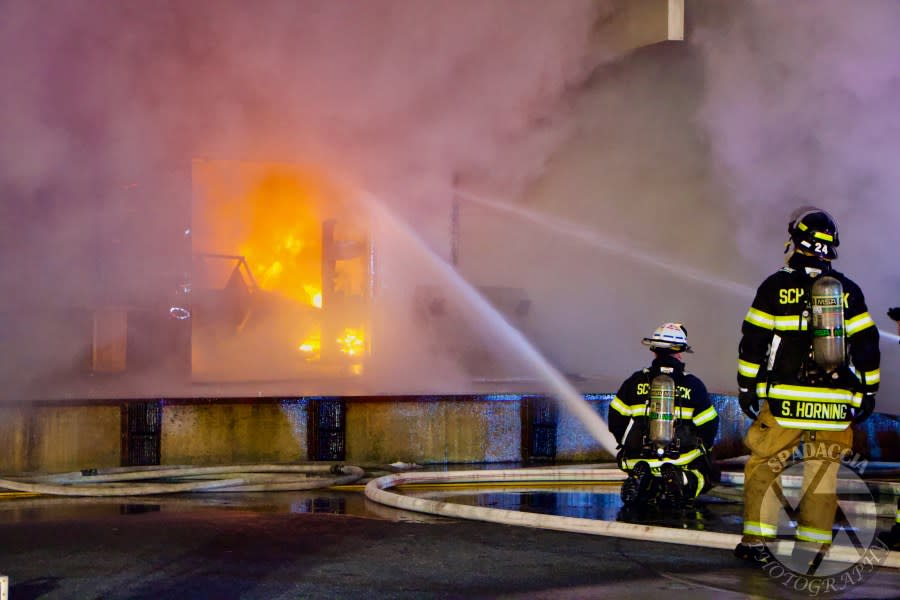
{"points": [[598, 240], [498, 326]]}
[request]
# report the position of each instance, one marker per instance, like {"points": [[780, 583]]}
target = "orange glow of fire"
{"points": [[314, 294], [311, 347], [351, 342], [282, 239], [272, 215]]}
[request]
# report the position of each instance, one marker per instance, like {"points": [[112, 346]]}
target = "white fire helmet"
{"points": [[671, 337]]}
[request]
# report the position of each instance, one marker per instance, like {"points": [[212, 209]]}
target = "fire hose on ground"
{"points": [[142, 481], [378, 490]]}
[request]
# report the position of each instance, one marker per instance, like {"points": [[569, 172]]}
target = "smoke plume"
{"points": [[801, 108], [105, 104]]}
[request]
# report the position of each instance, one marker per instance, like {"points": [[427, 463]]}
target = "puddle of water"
{"points": [[597, 502]]}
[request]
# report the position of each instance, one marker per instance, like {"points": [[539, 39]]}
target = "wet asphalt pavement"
{"points": [[294, 545]]}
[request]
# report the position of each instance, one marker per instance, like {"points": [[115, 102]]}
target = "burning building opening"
{"points": [[282, 275]]}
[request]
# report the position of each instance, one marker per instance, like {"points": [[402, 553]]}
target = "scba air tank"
{"points": [[827, 299], [662, 410]]}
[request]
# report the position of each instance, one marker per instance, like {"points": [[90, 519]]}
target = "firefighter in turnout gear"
{"points": [[809, 349], [665, 425]]}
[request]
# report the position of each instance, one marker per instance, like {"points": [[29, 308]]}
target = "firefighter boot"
{"points": [[672, 493], [755, 553], [635, 489]]}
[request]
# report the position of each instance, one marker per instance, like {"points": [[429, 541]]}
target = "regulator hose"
{"points": [[143, 481]]}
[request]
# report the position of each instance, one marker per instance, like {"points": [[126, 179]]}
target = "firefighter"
{"points": [[665, 425], [807, 325]]}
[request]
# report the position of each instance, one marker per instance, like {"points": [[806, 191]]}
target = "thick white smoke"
{"points": [[801, 108], [695, 152], [105, 104]]}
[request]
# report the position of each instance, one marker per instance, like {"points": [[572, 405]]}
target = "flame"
{"points": [[311, 347], [271, 273], [351, 342], [272, 215], [280, 231], [314, 294]]}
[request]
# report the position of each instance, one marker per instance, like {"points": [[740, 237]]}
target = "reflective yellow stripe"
{"points": [[760, 318], [747, 369], [872, 377], [781, 323], [701, 481], [706, 416], [761, 389], [790, 323], [760, 529], [620, 407], [638, 410], [684, 412], [858, 323], [856, 402], [684, 459], [800, 392], [898, 515], [812, 424], [823, 236], [810, 534]]}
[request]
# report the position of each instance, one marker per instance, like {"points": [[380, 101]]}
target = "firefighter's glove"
{"points": [[865, 410], [894, 313], [749, 402]]}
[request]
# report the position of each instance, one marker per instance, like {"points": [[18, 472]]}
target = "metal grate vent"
{"points": [[141, 433], [539, 423], [327, 429]]}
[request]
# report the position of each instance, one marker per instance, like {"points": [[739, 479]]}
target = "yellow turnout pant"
{"points": [[771, 445]]}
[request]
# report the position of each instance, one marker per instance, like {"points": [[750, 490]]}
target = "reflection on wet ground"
{"points": [[354, 503], [597, 502], [602, 502], [200, 541]]}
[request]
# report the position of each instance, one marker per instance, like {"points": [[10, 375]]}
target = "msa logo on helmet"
{"points": [[671, 337]]}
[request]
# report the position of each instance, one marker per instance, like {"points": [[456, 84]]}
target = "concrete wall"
{"points": [[56, 438], [430, 430], [433, 431], [222, 434], [573, 441]]}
